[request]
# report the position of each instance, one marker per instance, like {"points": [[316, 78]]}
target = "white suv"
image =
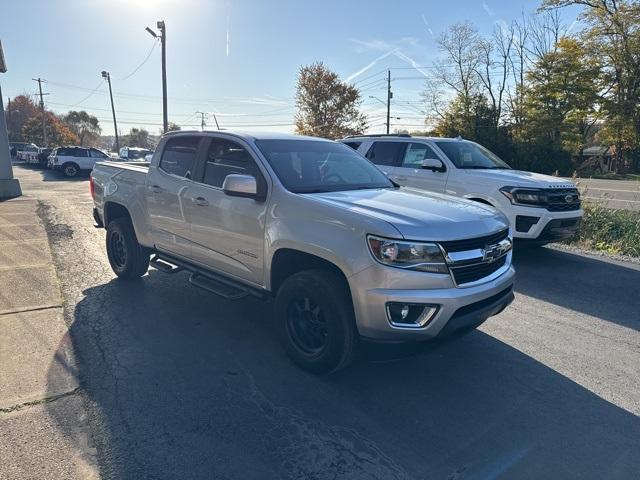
{"points": [[540, 208], [72, 160]]}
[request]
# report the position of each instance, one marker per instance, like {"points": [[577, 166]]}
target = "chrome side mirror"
{"points": [[433, 164], [236, 185]]}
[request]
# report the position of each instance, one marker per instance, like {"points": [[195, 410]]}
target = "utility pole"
{"points": [[389, 97], [202, 122], [163, 43], [44, 115], [107, 76]]}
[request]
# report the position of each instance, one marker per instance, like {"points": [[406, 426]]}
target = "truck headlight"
{"points": [[425, 257], [525, 196]]}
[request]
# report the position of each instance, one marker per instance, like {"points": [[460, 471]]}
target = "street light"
{"points": [[163, 42], [107, 77]]}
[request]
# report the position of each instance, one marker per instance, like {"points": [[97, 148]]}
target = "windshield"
{"points": [[313, 166], [471, 155]]}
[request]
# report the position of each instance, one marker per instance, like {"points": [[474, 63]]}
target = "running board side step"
{"points": [[163, 265], [217, 286]]}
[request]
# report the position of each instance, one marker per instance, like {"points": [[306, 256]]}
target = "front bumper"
{"points": [[460, 307], [549, 226]]}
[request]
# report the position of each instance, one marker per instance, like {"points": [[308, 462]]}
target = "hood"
{"points": [[520, 178], [419, 215]]}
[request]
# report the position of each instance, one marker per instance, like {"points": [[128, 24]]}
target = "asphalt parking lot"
{"points": [[178, 383]]}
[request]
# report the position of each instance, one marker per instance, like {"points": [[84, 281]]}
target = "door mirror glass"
{"points": [[237, 185], [433, 164]]}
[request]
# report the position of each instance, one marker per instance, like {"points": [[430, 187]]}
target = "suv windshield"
{"points": [[314, 166], [471, 155]]}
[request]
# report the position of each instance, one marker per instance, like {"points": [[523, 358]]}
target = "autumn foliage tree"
{"points": [[327, 107]]}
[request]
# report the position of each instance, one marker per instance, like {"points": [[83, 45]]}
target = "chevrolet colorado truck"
{"points": [[345, 253], [540, 208]]}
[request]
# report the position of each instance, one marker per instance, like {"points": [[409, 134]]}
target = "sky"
{"points": [[235, 59]]}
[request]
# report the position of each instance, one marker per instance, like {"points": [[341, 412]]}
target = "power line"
{"points": [[146, 59]]}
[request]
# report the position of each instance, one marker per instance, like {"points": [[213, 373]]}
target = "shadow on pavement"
{"points": [[185, 385], [599, 288]]}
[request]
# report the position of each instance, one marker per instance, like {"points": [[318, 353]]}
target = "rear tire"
{"points": [[70, 170], [127, 257], [315, 320]]}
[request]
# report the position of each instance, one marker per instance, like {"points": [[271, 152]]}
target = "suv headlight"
{"points": [[525, 196], [425, 257]]}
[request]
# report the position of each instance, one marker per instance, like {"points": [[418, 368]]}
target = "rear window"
{"points": [[179, 156]]}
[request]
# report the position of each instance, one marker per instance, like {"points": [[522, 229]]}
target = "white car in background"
{"points": [[73, 160], [540, 208]]}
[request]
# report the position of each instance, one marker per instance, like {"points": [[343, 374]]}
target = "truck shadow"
{"points": [[181, 384], [596, 287]]}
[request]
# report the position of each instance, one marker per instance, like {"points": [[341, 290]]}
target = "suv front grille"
{"points": [[557, 199], [477, 271], [474, 243]]}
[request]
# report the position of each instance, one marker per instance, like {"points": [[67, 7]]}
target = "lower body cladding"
{"points": [[408, 312], [538, 225]]}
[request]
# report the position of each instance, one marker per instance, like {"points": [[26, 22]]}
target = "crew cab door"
{"points": [[412, 174], [166, 184], [227, 232]]}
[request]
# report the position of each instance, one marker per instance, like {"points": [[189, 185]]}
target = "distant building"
{"points": [[594, 159]]}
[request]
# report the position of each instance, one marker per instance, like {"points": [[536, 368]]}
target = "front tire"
{"points": [[315, 319], [127, 257]]}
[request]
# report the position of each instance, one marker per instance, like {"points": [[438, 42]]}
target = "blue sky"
{"points": [[237, 59]]}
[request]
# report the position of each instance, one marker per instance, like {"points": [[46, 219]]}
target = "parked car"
{"points": [[73, 160], [540, 208], [23, 151], [346, 253], [132, 154]]}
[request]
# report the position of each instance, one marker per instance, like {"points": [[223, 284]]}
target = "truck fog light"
{"points": [[410, 315]]}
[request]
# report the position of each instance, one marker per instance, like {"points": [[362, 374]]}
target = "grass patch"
{"points": [[612, 231]]}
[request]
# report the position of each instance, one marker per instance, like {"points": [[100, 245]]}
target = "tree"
{"points": [[19, 112], [85, 126], [138, 137], [613, 33], [327, 107], [559, 104], [58, 133]]}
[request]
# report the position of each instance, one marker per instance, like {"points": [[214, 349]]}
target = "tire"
{"points": [[70, 170], [127, 257], [315, 321]]}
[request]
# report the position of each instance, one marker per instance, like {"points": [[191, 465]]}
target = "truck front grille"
{"points": [[562, 199], [477, 271]]}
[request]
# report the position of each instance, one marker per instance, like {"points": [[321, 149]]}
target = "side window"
{"points": [[226, 157], [416, 152], [179, 156], [386, 153], [354, 145]]}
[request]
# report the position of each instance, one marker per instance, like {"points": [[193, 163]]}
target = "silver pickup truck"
{"points": [[346, 253]]}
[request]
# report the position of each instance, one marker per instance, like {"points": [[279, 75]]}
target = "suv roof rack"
{"points": [[380, 135]]}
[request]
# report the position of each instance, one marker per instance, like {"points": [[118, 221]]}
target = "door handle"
{"points": [[200, 201], [156, 188]]}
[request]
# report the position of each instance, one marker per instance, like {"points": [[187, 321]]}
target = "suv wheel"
{"points": [[127, 257], [316, 325], [70, 169]]}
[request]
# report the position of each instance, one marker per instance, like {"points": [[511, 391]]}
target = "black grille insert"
{"points": [[477, 271], [475, 243]]}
